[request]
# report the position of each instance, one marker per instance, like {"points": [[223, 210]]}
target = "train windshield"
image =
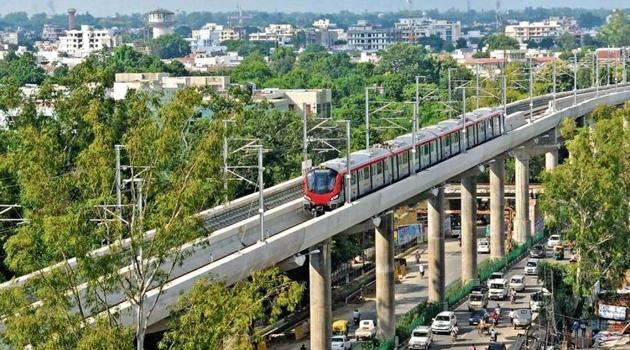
{"points": [[321, 181]]}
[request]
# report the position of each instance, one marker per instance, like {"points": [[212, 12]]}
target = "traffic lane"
{"points": [[469, 335]]}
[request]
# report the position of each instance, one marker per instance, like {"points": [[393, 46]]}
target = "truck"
{"points": [[366, 330]]}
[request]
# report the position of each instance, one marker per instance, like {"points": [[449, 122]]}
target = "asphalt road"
{"points": [[411, 291]]}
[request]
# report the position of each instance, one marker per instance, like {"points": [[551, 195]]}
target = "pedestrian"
{"points": [[421, 269], [303, 347], [417, 256], [472, 347], [576, 327], [583, 328]]}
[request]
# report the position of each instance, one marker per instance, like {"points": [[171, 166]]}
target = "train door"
{"points": [[496, 125], [354, 184], [365, 184], [446, 146], [387, 171], [481, 134], [434, 151], [417, 162], [455, 139], [395, 170], [425, 158], [377, 175]]}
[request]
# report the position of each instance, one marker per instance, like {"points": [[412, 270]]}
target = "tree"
{"points": [[170, 46], [500, 42], [22, 69], [566, 42], [587, 198], [616, 32], [282, 60], [589, 20], [252, 69], [214, 316]]}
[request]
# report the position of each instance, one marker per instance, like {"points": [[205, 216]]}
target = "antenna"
{"points": [[497, 14]]}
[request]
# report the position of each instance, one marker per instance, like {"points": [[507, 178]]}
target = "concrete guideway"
{"points": [[295, 234], [300, 237]]}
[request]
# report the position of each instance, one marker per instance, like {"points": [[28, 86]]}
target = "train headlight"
{"points": [[308, 198], [335, 197]]}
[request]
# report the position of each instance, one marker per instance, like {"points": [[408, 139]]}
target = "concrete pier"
{"points": [[551, 159], [385, 289], [320, 296], [521, 221], [435, 268], [497, 208], [469, 227]]}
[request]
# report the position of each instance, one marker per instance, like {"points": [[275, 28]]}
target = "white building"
{"points": [[317, 101], [162, 22], [82, 42], [536, 31], [324, 24], [209, 38], [367, 37], [280, 33], [160, 81], [52, 32], [414, 29]]}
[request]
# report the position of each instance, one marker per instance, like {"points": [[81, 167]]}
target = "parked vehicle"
{"points": [[498, 289], [483, 246], [538, 251], [341, 342], [521, 318], [496, 346], [478, 315], [421, 338], [537, 300], [366, 330], [531, 267], [477, 300], [553, 241], [444, 322], [517, 282], [340, 327]]}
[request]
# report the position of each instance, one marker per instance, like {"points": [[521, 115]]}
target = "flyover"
{"points": [[234, 251]]}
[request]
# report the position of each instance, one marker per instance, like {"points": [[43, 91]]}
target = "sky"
{"points": [[110, 7]]}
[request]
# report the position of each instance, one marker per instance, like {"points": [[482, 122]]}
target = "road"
{"points": [[409, 292]]}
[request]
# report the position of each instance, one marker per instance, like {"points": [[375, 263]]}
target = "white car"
{"points": [[444, 322], [421, 338], [531, 267], [553, 241], [517, 282], [494, 276], [341, 342], [483, 246], [498, 289]]}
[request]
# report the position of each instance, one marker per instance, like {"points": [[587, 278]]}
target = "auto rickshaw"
{"points": [[558, 252], [340, 327]]}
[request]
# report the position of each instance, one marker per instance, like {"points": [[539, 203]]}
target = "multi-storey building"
{"points": [[367, 37], [536, 31], [52, 32], [413, 29], [162, 81], [210, 37], [317, 101], [82, 42], [280, 33]]}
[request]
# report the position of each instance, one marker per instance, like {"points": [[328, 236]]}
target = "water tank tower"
{"points": [[161, 21]]}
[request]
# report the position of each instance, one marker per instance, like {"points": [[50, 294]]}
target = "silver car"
{"points": [[521, 318]]}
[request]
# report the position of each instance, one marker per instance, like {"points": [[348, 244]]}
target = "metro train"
{"points": [[383, 164]]}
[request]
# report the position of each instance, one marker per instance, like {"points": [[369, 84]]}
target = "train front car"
{"points": [[322, 190]]}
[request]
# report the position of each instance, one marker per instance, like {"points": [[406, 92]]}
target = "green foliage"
{"points": [[213, 316], [170, 46], [500, 42], [616, 32], [588, 197], [252, 69], [481, 54], [246, 47], [21, 69]]}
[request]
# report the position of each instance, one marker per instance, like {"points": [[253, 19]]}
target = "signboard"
{"points": [[612, 312], [408, 233]]}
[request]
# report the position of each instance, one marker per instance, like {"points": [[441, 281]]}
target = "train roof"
{"points": [[356, 158]]}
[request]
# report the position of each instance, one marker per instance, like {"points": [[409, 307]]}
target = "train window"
{"points": [[354, 178], [321, 181], [425, 149], [366, 173], [405, 157], [447, 141], [379, 168]]}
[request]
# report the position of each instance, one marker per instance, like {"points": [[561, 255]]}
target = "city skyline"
{"points": [[111, 7]]}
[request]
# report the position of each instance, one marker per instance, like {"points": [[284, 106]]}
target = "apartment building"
{"points": [[413, 29], [536, 31], [280, 33], [317, 101], [163, 81], [84, 41], [368, 37]]}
